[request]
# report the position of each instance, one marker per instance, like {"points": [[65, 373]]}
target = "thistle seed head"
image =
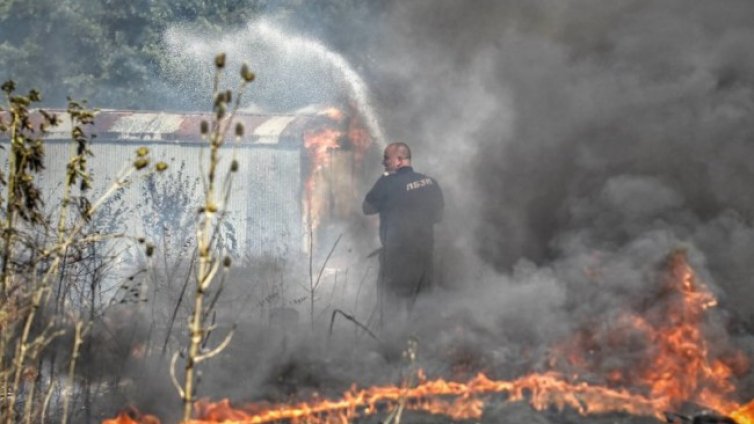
{"points": [[220, 61], [8, 86], [141, 163], [34, 96], [246, 73], [220, 111]]}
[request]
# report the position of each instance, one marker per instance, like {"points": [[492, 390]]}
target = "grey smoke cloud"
{"points": [[561, 129]]}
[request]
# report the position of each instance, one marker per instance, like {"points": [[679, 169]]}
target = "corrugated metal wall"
{"points": [[272, 192], [264, 211], [267, 210]]}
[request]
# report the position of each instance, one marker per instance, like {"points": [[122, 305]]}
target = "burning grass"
{"points": [[677, 371]]}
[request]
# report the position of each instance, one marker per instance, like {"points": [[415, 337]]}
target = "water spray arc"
{"points": [[357, 87], [299, 71]]}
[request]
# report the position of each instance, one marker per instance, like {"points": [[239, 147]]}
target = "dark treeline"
{"points": [[112, 54]]}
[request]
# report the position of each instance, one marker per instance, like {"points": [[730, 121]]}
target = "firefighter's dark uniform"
{"points": [[409, 204]]}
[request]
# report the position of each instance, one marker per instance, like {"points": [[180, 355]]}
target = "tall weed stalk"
{"points": [[216, 186], [34, 246]]}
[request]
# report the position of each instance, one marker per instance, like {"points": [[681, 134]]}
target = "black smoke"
{"points": [[566, 130]]}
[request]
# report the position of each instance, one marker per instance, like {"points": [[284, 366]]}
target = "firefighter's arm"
{"points": [[371, 203], [368, 208]]}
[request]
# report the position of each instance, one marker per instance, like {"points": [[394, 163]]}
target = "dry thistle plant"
{"points": [[410, 356], [33, 249], [211, 214]]}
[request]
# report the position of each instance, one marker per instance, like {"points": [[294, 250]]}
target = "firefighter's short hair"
{"points": [[403, 150]]}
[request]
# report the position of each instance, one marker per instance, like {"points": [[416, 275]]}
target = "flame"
{"points": [[678, 349], [318, 143], [337, 129], [744, 414], [542, 390], [358, 137], [132, 417], [682, 349]]}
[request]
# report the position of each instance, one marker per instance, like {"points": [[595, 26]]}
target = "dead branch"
{"points": [[353, 320], [178, 305], [327, 259], [78, 339], [46, 402], [173, 377], [219, 348]]}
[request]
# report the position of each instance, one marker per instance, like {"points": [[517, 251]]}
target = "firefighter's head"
{"points": [[397, 156]]}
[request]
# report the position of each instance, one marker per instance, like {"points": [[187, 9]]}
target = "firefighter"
{"points": [[409, 205]]}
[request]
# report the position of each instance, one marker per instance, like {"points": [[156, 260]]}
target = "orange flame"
{"points": [[542, 390], [679, 349], [132, 417], [318, 143], [682, 348], [359, 138], [744, 414]]}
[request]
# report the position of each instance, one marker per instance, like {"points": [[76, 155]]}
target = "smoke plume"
{"points": [[581, 133]]}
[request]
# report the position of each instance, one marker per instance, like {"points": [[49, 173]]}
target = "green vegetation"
{"points": [[41, 253], [107, 51], [111, 52]]}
